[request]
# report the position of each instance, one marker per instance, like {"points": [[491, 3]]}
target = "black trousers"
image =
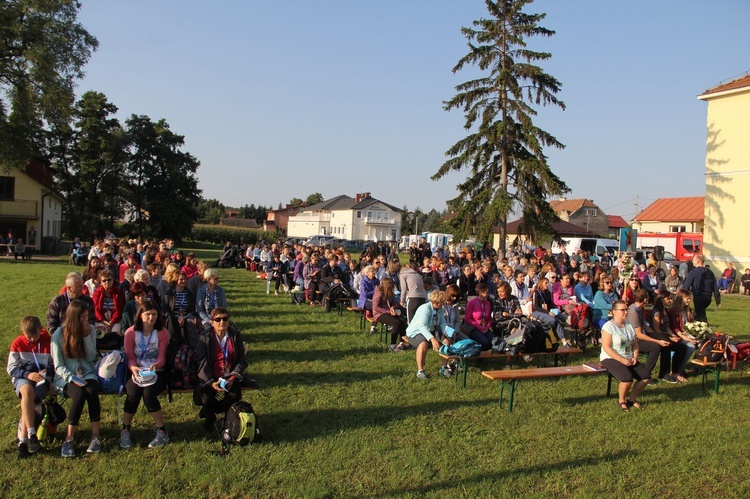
{"points": [[214, 405], [83, 395], [701, 303], [397, 324], [653, 352], [149, 394]]}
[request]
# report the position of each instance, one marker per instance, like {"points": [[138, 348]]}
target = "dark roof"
{"points": [[687, 209], [562, 228], [344, 202]]}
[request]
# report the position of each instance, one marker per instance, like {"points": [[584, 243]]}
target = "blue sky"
{"points": [[282, 99]]}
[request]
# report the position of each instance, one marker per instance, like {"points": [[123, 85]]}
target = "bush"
{"points": [[220, 234]]}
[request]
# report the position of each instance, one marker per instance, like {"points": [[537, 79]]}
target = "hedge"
{"points": [[220, 234]]}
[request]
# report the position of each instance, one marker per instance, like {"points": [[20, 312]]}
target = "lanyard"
{"points": [[224, 345], [145, 342], [38, 368], [449, 311]]}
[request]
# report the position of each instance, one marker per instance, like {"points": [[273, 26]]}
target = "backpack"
{"points": [[533, 337], [112, 372], [550, 339], [183, 373], [298, 297], [580, 316], [737, 352], [462, 348], [713, 349], [240, 424]]}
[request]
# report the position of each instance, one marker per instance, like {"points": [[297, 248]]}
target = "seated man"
{"points": [[29, 362], [725, 281], [648, 345], [19, 250], [59, 305], [746, 281]]}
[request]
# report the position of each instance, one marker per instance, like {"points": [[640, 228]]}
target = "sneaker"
{"points": [[373, 329], [276, 292], [422, 375], [652, 381], [23, 450], [446, 372], [68, 448], [159, 440], [125, 441], [668, 378], [312, 303], [34, 444], [95, 446], [528, 358], [396, 348]]}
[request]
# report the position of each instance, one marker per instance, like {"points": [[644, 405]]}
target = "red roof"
{"points": [[740, 82], [617, 222], [674, 210]]}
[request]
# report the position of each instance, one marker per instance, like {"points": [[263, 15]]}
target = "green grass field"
{"points": [[341, 416]]}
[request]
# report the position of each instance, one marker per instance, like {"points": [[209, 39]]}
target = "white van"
{"points": [[319, 240], [592, 245]]}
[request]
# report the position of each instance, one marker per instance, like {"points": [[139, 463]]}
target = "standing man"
{"points": [[702, 283], [31, 239]]}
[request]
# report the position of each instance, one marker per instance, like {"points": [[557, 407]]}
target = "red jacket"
{"points": [[118, 302]]}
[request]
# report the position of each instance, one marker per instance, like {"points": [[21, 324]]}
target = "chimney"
{"points": [[357, 198]]}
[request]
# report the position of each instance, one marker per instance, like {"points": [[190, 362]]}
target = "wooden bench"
{"points": [[709, 367], [510, 376], [558, 356]]}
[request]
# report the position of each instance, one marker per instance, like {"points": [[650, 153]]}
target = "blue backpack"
{"points": [[462, 348], [112, 370]]}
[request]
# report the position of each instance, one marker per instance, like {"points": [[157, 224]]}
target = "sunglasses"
{"points": [[106, 280], [221, 319], [607, 282], [620, 309]]}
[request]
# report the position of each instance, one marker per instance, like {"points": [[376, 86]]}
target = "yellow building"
{"points": [[726, 234], [29, 208]]}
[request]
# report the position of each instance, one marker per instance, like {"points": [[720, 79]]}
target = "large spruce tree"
{"points": [[508, 170]]}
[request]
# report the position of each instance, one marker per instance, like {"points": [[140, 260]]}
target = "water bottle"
{"points": [[41, 433]]}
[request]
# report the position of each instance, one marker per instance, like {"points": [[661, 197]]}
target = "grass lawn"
{"points": [[341, 416]]}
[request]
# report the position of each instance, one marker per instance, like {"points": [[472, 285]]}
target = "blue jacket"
{"points": [[201, 302], [423, 319], [603, 303], [584, 294], [366, 290]]}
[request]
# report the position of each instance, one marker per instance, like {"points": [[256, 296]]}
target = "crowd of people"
{"points": [[147, 299], [145, 295]]}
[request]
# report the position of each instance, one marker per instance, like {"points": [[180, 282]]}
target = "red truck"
{"points": [[684, 245]]}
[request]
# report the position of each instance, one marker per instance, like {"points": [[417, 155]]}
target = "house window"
{"points": [[369, 214], [7, 188], [591, 212], [677, 228], [380, 215], [359, 214]]}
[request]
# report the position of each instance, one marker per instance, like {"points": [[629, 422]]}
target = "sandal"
{"points": [[634, 404], [625, 406]]}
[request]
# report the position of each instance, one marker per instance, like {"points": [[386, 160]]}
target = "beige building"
{"points": [[29, 208], [360, 218], [726, 235], [583, 213]]}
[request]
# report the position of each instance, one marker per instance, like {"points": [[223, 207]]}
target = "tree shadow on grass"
{"points": [[308, 424], [506, 476], [313, 355]]}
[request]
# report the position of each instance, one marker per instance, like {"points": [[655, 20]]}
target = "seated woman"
{"points": [[91, 276], [478, 318], [146, 350], [386, 311], [603, 301], [673, 282], [299, 268], [543, 309], [311, 276], [210, 296], [452, 308], [367, 288], [725, 281], [633, 284], [563, 296], [73, 353], [428, 328], [745, 280], [152, 294], [673, 358], [138, 297], [278, 270], [221, 356], [190, 268], [680, 314], [651, 283], [109, 301], [619, 356], [178, 308], [504, 308]]}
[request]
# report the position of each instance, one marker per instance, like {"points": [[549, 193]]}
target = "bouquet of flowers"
{"points": [[625, 265], [698, 330]]}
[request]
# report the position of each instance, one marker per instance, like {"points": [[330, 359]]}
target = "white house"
{"points": [[362, 217]]}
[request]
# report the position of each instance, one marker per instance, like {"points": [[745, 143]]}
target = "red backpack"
{"points": [[580, 316], [737, 352]]}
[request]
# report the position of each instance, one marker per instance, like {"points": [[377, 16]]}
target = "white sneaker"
{"points": [[159, 440]]}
